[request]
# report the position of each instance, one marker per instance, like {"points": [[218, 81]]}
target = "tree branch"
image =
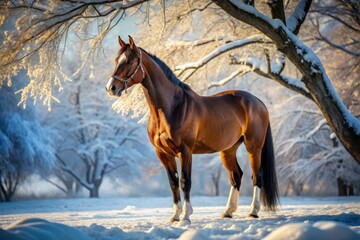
{"points": [[323, 38], [277, 9], [56, 185], [298, 16], [65, 168], [222, 49], [266, 69], [202, 41], [224, 81], [346, 126], [197, 8]]}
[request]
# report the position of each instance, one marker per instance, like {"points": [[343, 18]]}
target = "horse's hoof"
{"points": [[184, 223], [174, 219], [252, 216], [226, 215]]}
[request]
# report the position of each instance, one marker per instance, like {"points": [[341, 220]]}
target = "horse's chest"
{"points": [[162, 141]]}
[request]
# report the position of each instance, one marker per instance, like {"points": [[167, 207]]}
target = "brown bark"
{"points": [[277, 9], [314, 75]]}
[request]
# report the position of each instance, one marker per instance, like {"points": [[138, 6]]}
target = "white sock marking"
{"points": [[187, 211], [232, 203], [255, 205]]}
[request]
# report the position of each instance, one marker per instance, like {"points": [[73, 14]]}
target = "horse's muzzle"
{"points": [[112, 89]]}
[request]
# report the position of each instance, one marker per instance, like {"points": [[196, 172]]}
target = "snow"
{"points": [[37, 229], [147, 218], [297, 16], [320, 230]]}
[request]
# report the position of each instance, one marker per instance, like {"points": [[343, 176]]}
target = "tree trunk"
{"points": [[333, 112], [5, 194], [351, 190], [217, 192], [216, 180], [94, 192], [342, 188], [314, 76]]}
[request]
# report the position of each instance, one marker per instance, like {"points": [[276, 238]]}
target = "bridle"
{"points": [[127, 80]]}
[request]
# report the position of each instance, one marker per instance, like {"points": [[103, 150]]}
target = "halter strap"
{"points": [[127, 80]]}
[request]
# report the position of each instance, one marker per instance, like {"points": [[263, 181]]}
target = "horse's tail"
{"points": [[269, 190]]}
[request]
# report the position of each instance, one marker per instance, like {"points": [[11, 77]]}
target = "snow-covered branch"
{"points": [[202, 41], [308, 138], [262, 68], [40, 31], [296, 19], [319, 126], [220, 50], [67, 169], [224, 81]]}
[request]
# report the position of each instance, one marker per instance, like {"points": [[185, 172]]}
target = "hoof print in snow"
{"points": [[184, 223], [226, 215], [252, 216]]}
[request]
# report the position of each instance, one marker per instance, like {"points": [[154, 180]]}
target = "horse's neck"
{"points": [[158, 89]]}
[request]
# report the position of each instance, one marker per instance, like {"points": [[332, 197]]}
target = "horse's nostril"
{"points": [[113, 88]]}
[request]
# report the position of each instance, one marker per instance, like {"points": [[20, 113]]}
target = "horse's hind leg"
{"points": [[255, 163], [228, 158], [170, 165]]}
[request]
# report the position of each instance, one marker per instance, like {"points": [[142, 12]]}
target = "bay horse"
{"points": [[182, 123]]}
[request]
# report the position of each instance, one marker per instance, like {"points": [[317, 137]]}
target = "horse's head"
{"points": [[128, 68]]}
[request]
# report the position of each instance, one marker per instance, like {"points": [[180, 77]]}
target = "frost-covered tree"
{"points": [[333, 29], [282, 33], [41, 38], [309, 154], [25, 146], [91, 139]]}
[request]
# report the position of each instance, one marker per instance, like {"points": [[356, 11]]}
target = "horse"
{"points": [[182, 123]]}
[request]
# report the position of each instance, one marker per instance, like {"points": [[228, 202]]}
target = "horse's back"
{"points": [[250, 111], [238, 94]]}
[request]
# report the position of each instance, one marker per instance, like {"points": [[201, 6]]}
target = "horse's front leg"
{"points": [[170, 165], [185, 157]]}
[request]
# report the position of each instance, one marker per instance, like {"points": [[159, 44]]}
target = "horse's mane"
{"points": [[168, 72]]}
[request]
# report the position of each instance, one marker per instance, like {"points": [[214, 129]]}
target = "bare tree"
{"points": [[309, 154], [92, 136]]}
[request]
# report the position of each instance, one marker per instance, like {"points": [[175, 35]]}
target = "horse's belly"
{"points": [[216, 145], [201, 147]]}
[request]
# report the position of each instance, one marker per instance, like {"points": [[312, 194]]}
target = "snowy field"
{"points": [[147, 218]]}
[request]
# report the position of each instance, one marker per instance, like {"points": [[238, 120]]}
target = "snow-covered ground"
{"points": [[147, 218]]}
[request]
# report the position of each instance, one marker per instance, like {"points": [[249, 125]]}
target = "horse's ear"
{"points": [[131, 43], [121, 42]]}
